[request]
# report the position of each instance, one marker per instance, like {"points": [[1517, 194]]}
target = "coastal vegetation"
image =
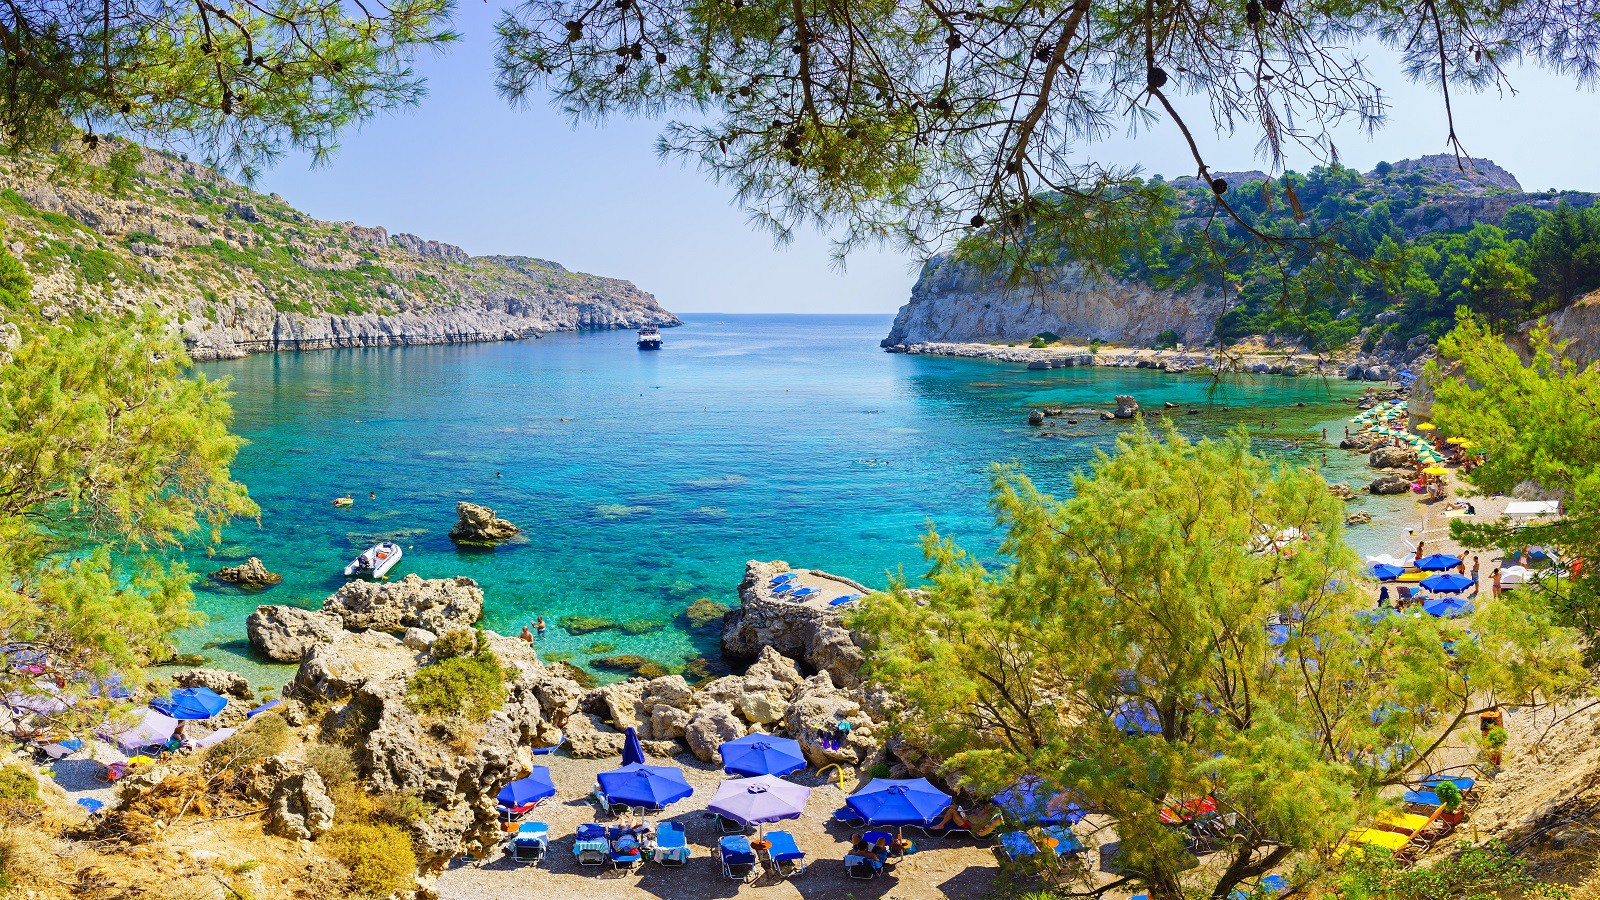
{"points": [[107, 442], [1124, 654]]}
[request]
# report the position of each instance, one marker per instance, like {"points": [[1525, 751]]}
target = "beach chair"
{"points": [[785, 578], [531, 842], [1067, 843], [1017, 846], [738, 860], [513, 813], [546, 751], [672, 848], [625, 853], [590, 845], [785, 856], [847, 598], [862, 867], [803, 593], [847, 816], [604, 804], [874, 837], [784, 588]]}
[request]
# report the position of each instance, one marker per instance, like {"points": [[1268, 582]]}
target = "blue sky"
{"points": [[465, 168]]}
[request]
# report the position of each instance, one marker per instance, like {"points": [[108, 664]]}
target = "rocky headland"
{"points": [[240, 272]]}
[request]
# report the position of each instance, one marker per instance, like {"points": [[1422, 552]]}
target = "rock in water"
{"points": [[477, 526], [1035, 417], [1127, 407], [1359, 518], [1392, 458], [251, 574], [436, 604], [287, 633], [1389, 484], [1341, 490]]}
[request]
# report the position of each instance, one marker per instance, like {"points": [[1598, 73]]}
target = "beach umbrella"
{"points": [[1426, 426], [1436, 470], [537, 786], [154, 728], [649, 786], [761, 800], [191, 703], [1386, 572], [1024, 802], [1438, 562], [1135, 718], [762, 754], [1447, 583], [1447, 607], [632, 752], [899, 801]]}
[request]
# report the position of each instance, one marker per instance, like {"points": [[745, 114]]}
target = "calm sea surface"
{"points": [[643, 481]]}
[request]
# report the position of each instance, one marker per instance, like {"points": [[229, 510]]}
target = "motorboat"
{"points": [[375, 561], [649, 338]]}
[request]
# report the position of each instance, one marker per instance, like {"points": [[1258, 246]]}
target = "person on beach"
{"points": [[1347, 431], [1495, 576], [539, 626], [1383, 596], [1324, 435], [1474, 571], [526, 635], [1419, 548]]}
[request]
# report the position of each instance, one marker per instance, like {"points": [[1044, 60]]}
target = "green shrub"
{"points": [[1037, 343], [142, 237], [336, 764], [265, 736], [1166, 339], [378, 856], [400, 809], [469, 686], [17, 783], [879, 770], [460, 642]]}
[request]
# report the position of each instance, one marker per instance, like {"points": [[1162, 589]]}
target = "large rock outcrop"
{"points": [[811, 630], [477, 526], [434, 604], [239, 272], [285, 633], [250, 573]]}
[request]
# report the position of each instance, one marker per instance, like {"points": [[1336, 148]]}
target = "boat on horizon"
{"points": [[375, 561], [650, 338]]}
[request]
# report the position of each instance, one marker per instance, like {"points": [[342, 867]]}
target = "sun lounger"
{"points": [[590, 846], [530, 842], [625, 852], [1067, 843], [1016, 845], [546, 751], [862, 867], [785, 856], [783, 588], [803, 593], [785, 578], [845, 815], [738, 860], [604, 804], [847, 598], [672, 849]]}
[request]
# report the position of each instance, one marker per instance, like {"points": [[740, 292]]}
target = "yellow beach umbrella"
{"points": [[140, 760], [1455, 440], [1426, 426], [1436, 470]]}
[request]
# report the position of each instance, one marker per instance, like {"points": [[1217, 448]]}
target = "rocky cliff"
{"points": [[241, 272], [956, 302]]}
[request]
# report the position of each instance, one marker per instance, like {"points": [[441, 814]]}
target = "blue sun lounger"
{"points": [[591, 847], [847, 598], [738, 860], [783, 588], [803, 593], [787, 859], [672, 848], [785, 578], [1017, 845], [531, 842]]}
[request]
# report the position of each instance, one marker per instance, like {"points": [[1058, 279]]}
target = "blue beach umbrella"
{"points": [[1447, 607], [649, 786], [1447, 583], [899, 801], [191, 703], [761, 800], [1025, 803], [762, 754], [1438, 562], [537, 786], [632, 751], [1386, 572]]}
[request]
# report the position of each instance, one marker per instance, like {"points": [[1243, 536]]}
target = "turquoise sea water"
{"points": [[643, 481]]}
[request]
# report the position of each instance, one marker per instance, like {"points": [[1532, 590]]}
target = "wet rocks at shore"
{"points": [[435, 604], [1391, 483], [251, 573], [477, 526], [1392, 458], [286, 633], [1341, 490]]}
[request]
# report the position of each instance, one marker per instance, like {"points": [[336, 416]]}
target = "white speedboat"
{"points": [[375, 561]]}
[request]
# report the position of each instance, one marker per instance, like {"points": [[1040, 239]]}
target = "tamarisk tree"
{"points": [[107, 443], [1188, 629]]}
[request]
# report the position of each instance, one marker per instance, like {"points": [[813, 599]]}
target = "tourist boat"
{"points": [[375, 561], [649, 338]]}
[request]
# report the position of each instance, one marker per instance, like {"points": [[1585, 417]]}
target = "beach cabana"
{"points": [[649, 787], [761, 800], [762, 754], [1447, 583], [193, 704], [897, 802], [1438, 562], [1447, 607]]}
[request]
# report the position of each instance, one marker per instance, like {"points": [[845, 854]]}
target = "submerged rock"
{"points": [[249, 574], [1358, 518], [477, 526], [632, 664], [286, 633], [705, 611]]}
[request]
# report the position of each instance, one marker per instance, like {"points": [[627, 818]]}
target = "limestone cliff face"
{"points": [[957, 302], [240, 272]]}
